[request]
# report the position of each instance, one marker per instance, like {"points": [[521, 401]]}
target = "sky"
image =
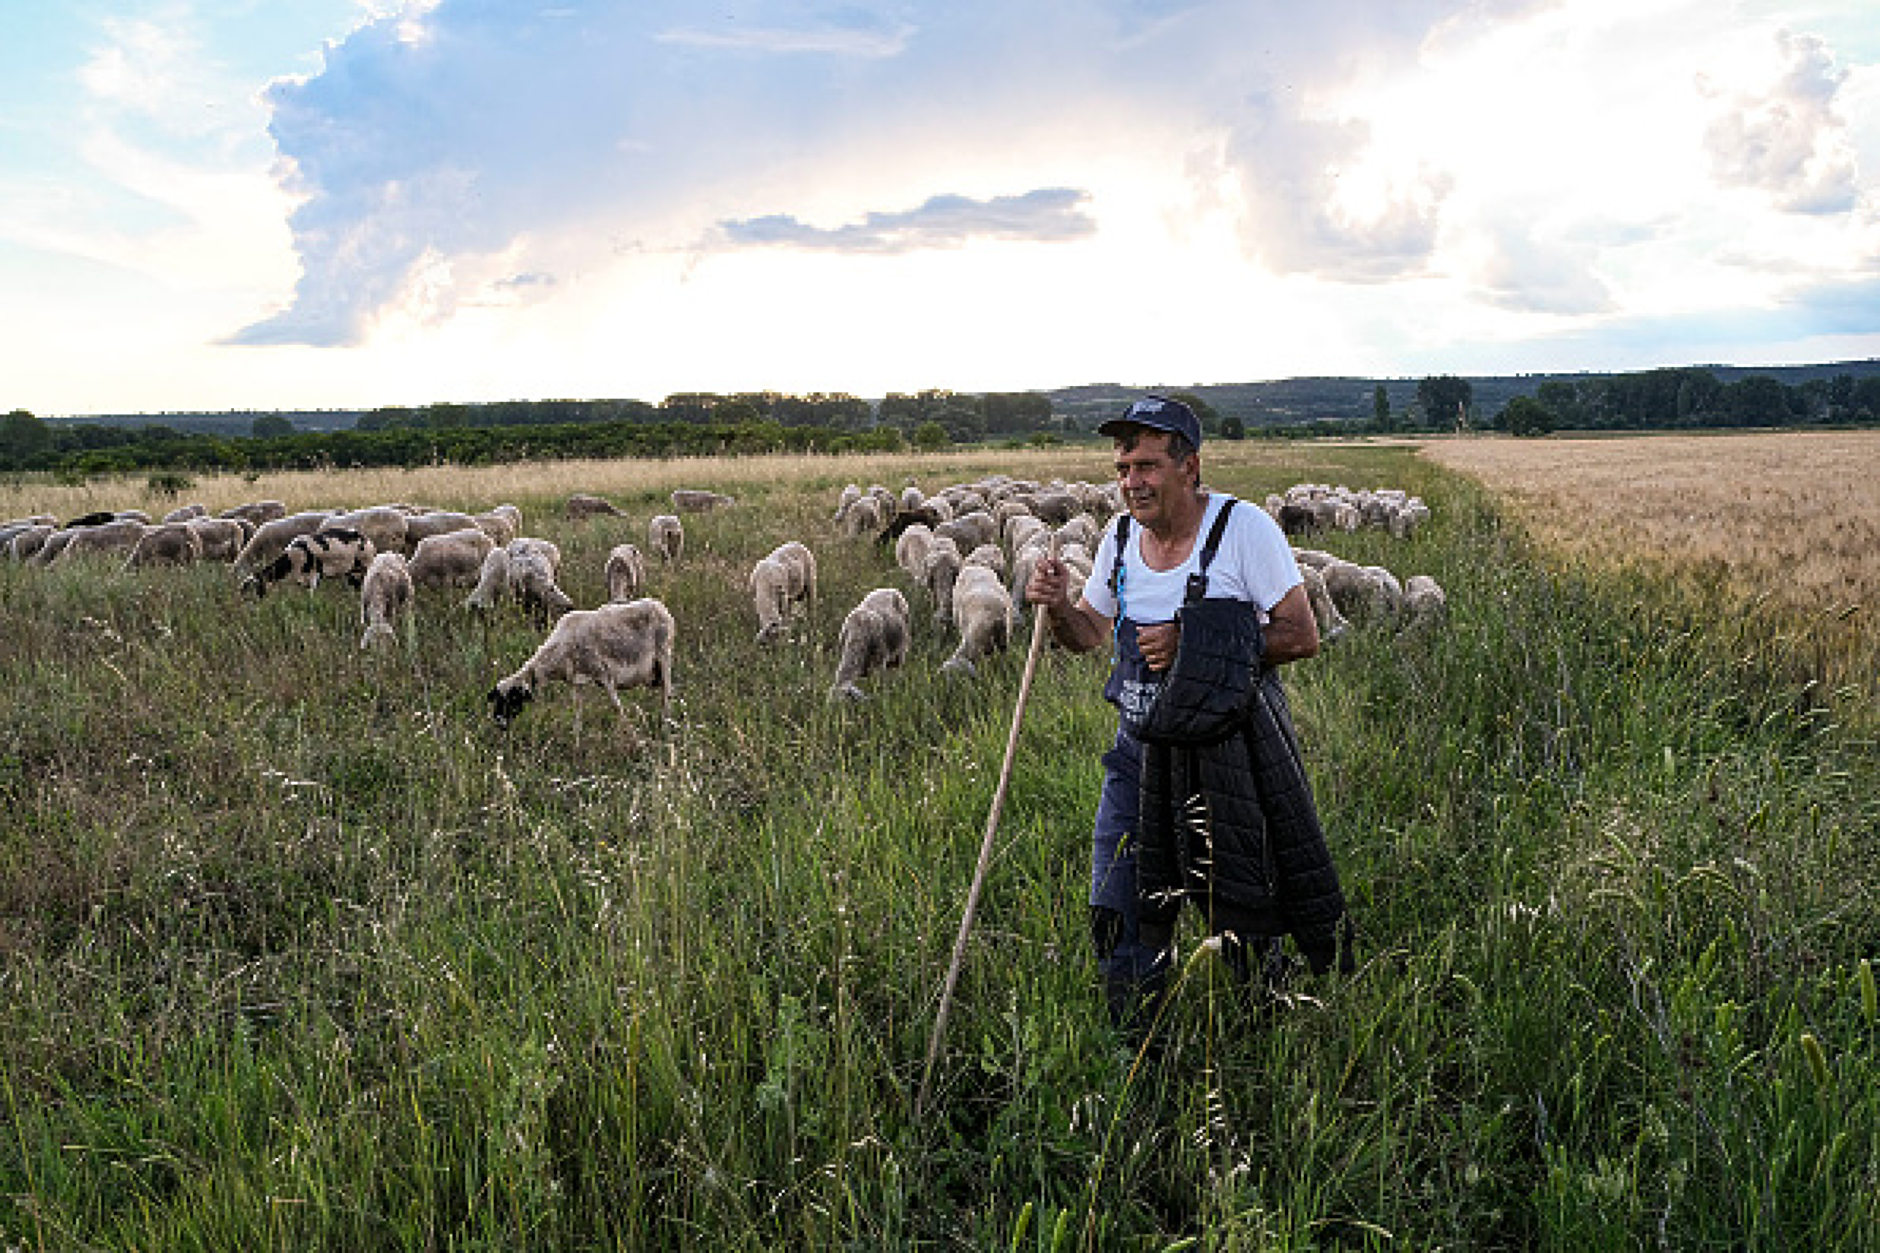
{"points": [[335, 204]]}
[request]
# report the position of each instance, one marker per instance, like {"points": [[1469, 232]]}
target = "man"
{"points": [[1261, 868]]}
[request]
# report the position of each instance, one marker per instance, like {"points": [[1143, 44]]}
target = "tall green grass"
{"points": [[298, 951]]}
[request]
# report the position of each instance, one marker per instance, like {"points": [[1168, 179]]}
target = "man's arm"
{"points": [[1292, 633]]}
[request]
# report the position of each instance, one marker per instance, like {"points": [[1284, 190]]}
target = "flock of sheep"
{"points": [[968, 550]]}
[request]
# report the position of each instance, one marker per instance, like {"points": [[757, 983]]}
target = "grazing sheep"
{"points": [[119, 536], [990, 556], [779, 583], [688, 500], [221, 538], [186, 512], [970, 529], [492, 582], [256, 514], [850, 494], [943, 570], [1425, 604], [1055, 507], [27, 540], [865, 516], [612, 647], [1363, 592], [420, 527], [986, 617], [534, 567], [329, 553], [167, 544], [626, 573], [454, 559], [911, 550], [383, 597], [271, 538], [1021, 529], [874, 637], [1331, 623], [499, 526], [580, 507], [665, 536], [387, 526]]}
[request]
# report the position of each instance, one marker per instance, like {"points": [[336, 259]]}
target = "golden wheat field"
{"points": [[1788, 522]]}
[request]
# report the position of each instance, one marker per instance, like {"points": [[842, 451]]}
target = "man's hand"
{"points": [[1076, 625], [1158, 644]]}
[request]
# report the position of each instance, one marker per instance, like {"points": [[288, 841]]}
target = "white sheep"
{"points": [[611, 647], [452, 559], [1363, 592], [387, 526], [1331, 623], [985, 615], [665, 535], [626, 573], [121, 535], [779, 583], [492, 587], [534, 568], [912, 548], [942, 572], [874, 637], [383, 597], [1425, 604], [184, 513], [422, 526]]}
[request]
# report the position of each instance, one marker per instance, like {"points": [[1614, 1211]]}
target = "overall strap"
{"points": [[1116, 570], [1198, 581]]}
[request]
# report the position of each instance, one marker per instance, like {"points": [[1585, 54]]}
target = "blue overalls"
{"points": [[1135, 968]]}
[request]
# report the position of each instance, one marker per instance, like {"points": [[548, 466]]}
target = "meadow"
{"points": [[298, 951]]}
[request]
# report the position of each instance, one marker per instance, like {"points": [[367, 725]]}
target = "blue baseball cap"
{"points": [[1158, 413]]}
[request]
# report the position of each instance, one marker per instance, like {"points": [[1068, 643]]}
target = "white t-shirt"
{"points": [[1254, 563]]}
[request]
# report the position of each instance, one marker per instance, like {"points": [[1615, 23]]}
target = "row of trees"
{"points": [[1686, 399], [27, 443], [695, 422]]}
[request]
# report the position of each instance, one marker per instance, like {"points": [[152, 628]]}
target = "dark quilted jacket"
{"points": [[1232, 827]]}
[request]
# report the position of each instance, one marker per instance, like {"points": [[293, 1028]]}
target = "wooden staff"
{"points": [[985, 851]]}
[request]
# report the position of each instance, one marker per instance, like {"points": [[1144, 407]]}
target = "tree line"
{"points": [[704, 423]]}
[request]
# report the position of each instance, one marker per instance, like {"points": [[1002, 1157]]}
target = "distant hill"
{"points": [[235, 422], [1281, 402]]}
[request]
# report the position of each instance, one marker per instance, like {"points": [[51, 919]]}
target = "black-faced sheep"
{"points": [[626, 573], [985, 615], [665, 535], [780, 583], [454, 559], [611, 647], [384, 597], [874, 637]]}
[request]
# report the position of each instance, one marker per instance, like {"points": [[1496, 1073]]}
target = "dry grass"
{"points": [[626, 482], [1788, 521]]}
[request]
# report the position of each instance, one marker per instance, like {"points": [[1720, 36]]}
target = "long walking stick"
{"points": [[985, 853]]}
